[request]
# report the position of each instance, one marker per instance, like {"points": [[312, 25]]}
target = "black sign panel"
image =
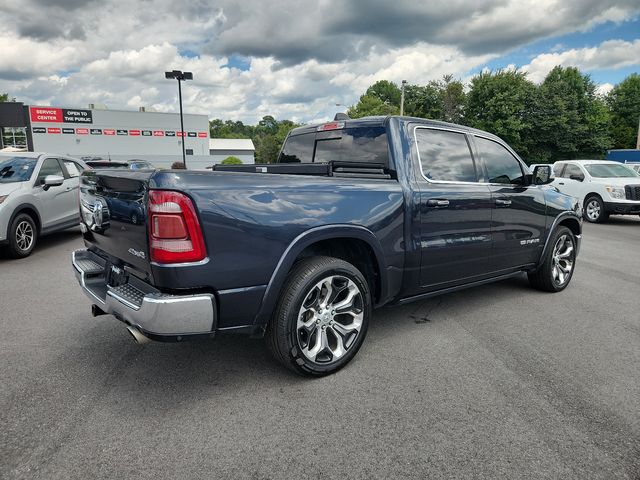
{"points": [[192, 134], [121, 131], [72, 115], [69, 131], [169, 133], [96, 131], [146, 133], [39, 130]]}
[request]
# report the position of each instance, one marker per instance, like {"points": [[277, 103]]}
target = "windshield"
{"points": [[604, 170], [16, 169]]}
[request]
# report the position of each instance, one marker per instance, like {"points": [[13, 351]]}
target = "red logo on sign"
{"points": [[202, 134], [46, 114], [53, 130], [135, 133], [109, 131], [82, 131], [179, 134], [158, 133]]}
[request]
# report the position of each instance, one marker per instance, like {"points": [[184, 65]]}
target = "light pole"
{"points": [[180, 76], [404, 82]]}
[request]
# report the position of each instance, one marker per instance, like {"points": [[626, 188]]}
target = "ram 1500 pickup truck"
{"points": [[356, 214]]}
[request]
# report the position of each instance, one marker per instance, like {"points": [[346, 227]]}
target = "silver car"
{"points": [[38, 195]]}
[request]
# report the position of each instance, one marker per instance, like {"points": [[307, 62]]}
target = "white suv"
{"points": [[38, 195], [604, 188]]}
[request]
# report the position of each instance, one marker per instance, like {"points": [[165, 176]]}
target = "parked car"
{"points": [[603, 187], [38, 195], [134, 164], [357, 214]]}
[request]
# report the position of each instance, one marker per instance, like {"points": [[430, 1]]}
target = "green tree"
{"points": [[231, 160], [624, 102], [387, 92], [502, 103], [4, 97], [453, 99], [423, 101], [369, 105], [569, 120]]}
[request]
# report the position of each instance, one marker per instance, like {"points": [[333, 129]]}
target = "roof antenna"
{"points": [[341, 116]]}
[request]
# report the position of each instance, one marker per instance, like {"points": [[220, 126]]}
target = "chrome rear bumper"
{"points": [[139, 304]]}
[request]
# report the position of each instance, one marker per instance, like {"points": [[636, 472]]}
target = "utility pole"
{"points": [[180, 76], [404, 82], [638, 137]]}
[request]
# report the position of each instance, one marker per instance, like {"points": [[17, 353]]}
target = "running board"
{"points": [[435, 293]]}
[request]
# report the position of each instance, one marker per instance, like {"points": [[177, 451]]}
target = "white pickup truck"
{"points": [[603, 187]]}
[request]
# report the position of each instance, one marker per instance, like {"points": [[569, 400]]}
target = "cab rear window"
{"points": [[360, 144]]}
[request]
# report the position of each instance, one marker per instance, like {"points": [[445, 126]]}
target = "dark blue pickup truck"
{"points": [[356, 214]]}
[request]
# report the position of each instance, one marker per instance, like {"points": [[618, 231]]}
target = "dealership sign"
{"points": [[60, 115], [112, 131]]}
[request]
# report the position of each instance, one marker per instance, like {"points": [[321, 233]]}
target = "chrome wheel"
{"points": [[563, 259], [330, 319], [24, 235], [593, 210]]}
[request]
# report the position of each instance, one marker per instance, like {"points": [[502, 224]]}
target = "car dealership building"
{"points": [[108, 134]]}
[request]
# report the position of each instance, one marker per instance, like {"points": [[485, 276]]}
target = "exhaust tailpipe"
{"points": [[139, 337]]}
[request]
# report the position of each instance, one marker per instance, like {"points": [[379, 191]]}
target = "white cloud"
{"points": [[611, 54], [303, 57]]}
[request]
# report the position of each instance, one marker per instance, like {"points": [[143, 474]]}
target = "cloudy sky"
{"points": [[294, 58]]}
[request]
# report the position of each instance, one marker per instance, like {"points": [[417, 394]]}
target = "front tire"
{"points": [[22, 236], [558, 264], [322, 317], [594, 211]]}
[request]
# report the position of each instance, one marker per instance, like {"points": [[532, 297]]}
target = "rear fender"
{"points": [[302, 241]]}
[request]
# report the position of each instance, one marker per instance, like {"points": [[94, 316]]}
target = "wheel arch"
{"points": [[351, 243], [565, 219], [30, 210], [589, 195]]}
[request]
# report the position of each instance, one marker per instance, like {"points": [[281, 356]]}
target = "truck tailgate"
{"points": [[113, 214]]}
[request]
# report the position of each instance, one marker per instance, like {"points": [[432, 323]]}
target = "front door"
{"points": [[54, 201], [455, 210], [518, 219]]}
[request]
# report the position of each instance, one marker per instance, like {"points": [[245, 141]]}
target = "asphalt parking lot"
{"points": [[496, 382]]}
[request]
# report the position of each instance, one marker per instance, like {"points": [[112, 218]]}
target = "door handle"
{"points": [[501, 202], [561, 183], [437, 203]]}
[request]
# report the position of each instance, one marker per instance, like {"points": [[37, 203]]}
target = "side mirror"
{"points": [[542, 175], [52, 181], [578, 178]]}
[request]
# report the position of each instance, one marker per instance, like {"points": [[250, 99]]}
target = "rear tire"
{"points": [[322, 316], [594, 211], [22, 236], [559, 263]]}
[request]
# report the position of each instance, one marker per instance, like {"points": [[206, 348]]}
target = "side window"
{"points": [[557, 169], [298, 149], [72, 168], [502, 166], [445, 156], [50, 166], [573, 171]]}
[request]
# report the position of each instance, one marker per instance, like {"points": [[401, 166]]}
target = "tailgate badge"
{"points": [[137, 253]]}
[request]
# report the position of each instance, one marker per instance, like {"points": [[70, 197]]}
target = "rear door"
{"points": [[455, 209], [572, 181], [518, 218]]}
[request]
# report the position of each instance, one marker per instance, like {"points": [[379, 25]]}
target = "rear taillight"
{"points": [[175, 235]]}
